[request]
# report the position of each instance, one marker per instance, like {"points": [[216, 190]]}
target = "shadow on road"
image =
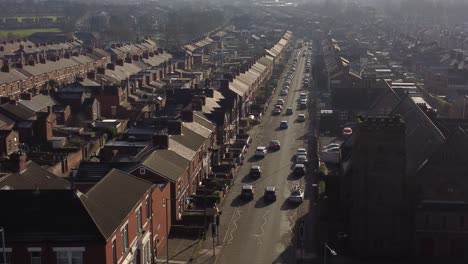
{"points": [[253, 158], [261, 203], [238, 201], [248, 179], [288, 205], [293, 177]]}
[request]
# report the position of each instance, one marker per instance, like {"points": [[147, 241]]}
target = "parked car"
{"points": [[270, 194], [283, 124], [299, 169], [331, 145], [275, 145], [279, 106], [277, 111], [301, 159], [260, 152], [301, 118], [280, 102], [284, 92], [289, 111], [255, 171], [303, 105], [297, 195], [247, 192], [301, 151], [303, 96]]}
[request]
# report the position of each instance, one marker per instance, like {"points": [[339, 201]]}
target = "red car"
{"points": [[275, 145], [347, 131]]}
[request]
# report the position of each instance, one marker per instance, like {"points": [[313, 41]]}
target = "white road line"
{"points": [[234, 223], [262, 233], [291, 218]]}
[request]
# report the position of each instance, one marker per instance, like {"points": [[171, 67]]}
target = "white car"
{"points": [[301, 159], [280, 102], [297, 195], [260, 152], [303, 96], [284, 92], [301, 151]]}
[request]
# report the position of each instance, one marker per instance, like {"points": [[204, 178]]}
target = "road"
{"points": [[259, 232]]}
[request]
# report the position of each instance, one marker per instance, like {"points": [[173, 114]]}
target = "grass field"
{"points": [[20, 18], [21, 33]]}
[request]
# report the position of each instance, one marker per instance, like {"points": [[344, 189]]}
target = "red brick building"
{"points": [[119, 220]]}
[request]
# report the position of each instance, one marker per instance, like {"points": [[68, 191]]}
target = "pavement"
{"points": [[259, 231]]}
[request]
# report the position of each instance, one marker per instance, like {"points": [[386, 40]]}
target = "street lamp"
{"points": [[327, 249], [3, 244]]}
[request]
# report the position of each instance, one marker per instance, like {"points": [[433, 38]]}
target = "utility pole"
{"points": [[213, 234], [2, 229]]}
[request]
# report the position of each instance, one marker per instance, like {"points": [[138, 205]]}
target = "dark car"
{"points": [[275, 145], [247, 192], [299, 169], [255, 172], [270, 194]]}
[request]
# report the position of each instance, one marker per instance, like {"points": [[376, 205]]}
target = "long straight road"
{"points": [[260, 232]]}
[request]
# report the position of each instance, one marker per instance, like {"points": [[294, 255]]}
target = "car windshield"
{"points": [[296, 193]]}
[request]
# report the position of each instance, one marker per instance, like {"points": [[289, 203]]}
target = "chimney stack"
{"points": [[161, 141]]}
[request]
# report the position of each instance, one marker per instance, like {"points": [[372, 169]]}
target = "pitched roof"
{"points": [[167, 163], [33, 177], [38, 102], [200, 119], [111, 200], [189, 138], [422, 136], [95, 171], [17, 112], [52, 214]]}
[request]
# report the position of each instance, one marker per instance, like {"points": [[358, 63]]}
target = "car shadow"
{"points": [[279, 129], [261, 203], [248, 179], [289, 206], [293, 177], [253, 158], [238, 201]]}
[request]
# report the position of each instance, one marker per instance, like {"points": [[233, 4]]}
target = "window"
{"points": [[142, 171], [139, 219], [148, 209], [114, 252], [36, 257], [125, 238], [113, 110], [69, 257]]}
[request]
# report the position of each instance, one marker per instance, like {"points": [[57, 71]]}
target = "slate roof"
{"points": [[47, 214], [167, 163], [422, 136], [200, 119], [38, 102], [34, 176], [111, 200], [355, 98], [5, 121], [95, 171], [189, 138], [17, 112]]}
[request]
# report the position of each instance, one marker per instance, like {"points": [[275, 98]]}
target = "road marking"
{"points": [[262, 233], [237, 215], [291, 218]]}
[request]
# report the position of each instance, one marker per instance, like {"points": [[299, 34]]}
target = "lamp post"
{"points": [[327, 249], [3, 244]]}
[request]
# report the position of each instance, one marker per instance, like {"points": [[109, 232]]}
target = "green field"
{"points": [[21, 33], [20, 18]]}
